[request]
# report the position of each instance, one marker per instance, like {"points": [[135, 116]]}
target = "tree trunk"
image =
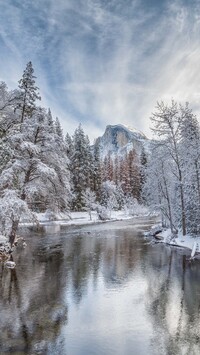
{"points": [[26, 180], [183, 218], [168, 199], [23, 108], [13, 232], [183, 213]]}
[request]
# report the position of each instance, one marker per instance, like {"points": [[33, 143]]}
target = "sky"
{"points": [[100, 62]]}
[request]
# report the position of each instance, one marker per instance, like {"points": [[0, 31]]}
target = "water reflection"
{"points": [[30, 302], [174, 304], [100, 290]]}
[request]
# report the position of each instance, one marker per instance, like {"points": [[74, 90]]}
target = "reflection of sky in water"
{"points": [[113, 317], [106, 292]]}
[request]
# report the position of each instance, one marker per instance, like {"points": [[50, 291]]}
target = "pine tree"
{"points": [[50, 121], [104, 170], [143, 166], [89, 163], [69, 143], [58, 129], [37, 176], [8, 121], [97, 173], [134, 174], [116, 173], [81, 167], [110, 168], [124, 175], [29, 93]]}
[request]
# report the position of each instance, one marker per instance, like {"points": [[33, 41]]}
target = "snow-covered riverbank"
{"points": [[83, 218], [53, 224], [80, 218], [190, 242]]}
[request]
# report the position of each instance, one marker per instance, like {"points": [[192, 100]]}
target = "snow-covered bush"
{"points": [[109, 195], [89, 200], [103, 213], [12, 209], [133, 208], [50, 215]]}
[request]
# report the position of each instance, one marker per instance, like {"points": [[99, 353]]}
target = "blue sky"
{"points": [[102, 62]]}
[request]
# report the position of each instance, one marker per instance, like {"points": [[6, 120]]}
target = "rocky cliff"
{"points": [[118, 139]]}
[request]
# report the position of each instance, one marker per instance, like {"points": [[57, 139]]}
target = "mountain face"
{"points": [[118, 140]]}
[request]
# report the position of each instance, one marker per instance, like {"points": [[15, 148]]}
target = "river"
{"points": [[100, 289]]}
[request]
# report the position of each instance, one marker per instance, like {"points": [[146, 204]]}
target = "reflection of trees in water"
{"points": [[173, 303], [80, 268], [121, 256], [85, 256], [31, 306], [33, 297], [114, 257]]}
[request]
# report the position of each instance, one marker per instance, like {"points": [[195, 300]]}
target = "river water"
{"points": [[102, 289]]}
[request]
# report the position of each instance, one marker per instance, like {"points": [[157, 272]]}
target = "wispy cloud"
{"points": [[101, 62]]}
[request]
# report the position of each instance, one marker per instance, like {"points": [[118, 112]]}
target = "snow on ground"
{"points": [[79, 218], [83, 218], [186, 241]]}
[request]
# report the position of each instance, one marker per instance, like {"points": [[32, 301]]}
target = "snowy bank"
{"points": [[165, 236], [78, 218]]}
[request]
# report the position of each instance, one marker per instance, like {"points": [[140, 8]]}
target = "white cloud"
{"points": [[106, 62]]}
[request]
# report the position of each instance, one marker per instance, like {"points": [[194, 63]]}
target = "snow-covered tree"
{"points": [[97, 171], [134, 174], [29, 93], [120, 196], [89, 200], [142, 169], [69, 144], [134, 208], [160, 184], [104, 173], [81, 167], [35, 176], [190, 152], [124, 175], [8, 120], [58, 128], [172, 181], [116, 178], [109, 195], [50, 121], [69, 153], [37, 173], [167, 126]]}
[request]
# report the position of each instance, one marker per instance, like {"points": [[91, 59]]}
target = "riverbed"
{"points": [[100, 289]]}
